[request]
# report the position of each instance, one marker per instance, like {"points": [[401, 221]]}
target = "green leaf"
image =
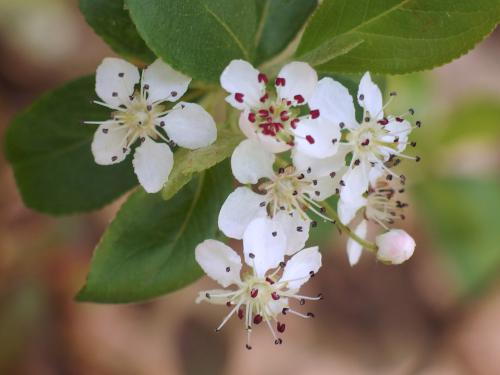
{"points": [[279, 22], [187, 162], [148, 250], [197, 37], [462, 216], [111, 21], [394, 36], [49, 150]]}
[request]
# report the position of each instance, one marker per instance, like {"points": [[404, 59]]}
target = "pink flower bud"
{"points": [[395, 246]]}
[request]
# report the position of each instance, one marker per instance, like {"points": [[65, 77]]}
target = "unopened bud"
{"points": [[395, 246]]}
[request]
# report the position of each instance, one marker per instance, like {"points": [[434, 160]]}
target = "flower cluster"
{"points": [[304, 144], [282, 195]]}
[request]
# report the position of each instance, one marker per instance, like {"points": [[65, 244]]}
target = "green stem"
{"points": [[370, 246]]}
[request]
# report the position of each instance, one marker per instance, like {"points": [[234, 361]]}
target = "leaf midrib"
{"points": [[229, 31], [362, 24]]}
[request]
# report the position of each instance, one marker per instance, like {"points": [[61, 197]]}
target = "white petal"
{"points": [[264, 245], [318, 138], [190, 126], [324, 188], [356, 181], [372, 97], [400, 129], [152, 164], [375, 173], [251, 162], [109, 144], [300, 267], [300, 79], [334, 102], [242, 78], [269, 143], [239, 209], [354, 249], [246, 126], [296, 231], [219, 261], [115, 80], [320, 167], [347, 208], [165, 83]]}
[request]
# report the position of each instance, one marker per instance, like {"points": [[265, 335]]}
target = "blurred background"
{"points": [[437, 314]]}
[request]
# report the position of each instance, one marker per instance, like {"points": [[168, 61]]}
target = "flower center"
{"points": [[368, 139], [287, 192], [275, 118], [381, 207], [139, 117]]}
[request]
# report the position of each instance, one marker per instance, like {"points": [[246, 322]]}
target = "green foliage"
{"points": [[279, 22], [462, 216], [478, 118], [187, 162], [197, 37], [148, 249], [49, 150], [394, 36], [111, 21]]}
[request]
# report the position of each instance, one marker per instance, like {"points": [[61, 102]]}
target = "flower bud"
{"points": [[395, 246]]}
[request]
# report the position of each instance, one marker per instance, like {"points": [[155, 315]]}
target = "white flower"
{"points": [[140, 116], [273, 117], [374, 141], [395, 246], [288, 195], [264, 293], [378, 205]]}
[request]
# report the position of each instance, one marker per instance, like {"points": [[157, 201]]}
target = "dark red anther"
{"points": [[264, 97], [269, 280], [240, 313], [263, 113], [280, 327], [275, 296], [314, 113], [383, 122], [366, 142], [257, 319], [251, 117], [254, 292], [399, 119], [228, 303], [262, 78], [239, 97], [299, 99], [278, 126], [294, 122], [310, 139], [280, 81], [288, 103], [284, 116]]}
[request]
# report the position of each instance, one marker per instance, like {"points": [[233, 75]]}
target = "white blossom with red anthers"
{"points": [[290, 195], [263, 294], [272, 117], [140, 117], [373, 142]]}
